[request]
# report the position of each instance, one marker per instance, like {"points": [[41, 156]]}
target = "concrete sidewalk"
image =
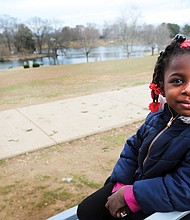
{"points": [[34, 127]]}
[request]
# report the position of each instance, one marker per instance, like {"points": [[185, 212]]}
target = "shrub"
{"points": [[26, 66], [35, 65]]}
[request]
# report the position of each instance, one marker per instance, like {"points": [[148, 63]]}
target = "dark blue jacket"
{"points": [[157, 162]]}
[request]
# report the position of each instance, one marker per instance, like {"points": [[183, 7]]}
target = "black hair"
{"points": [[165, 57]]}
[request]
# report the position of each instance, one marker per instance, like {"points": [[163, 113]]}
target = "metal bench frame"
{"points": [[70, 214]]}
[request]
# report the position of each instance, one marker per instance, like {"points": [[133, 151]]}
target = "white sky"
{"points": [[74, 12]]}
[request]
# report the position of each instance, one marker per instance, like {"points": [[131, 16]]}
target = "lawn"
{"points": [[22, 87]]}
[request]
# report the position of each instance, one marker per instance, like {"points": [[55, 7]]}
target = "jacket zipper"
{"points": [[158, 135]]}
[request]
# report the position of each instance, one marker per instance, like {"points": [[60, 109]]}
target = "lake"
{"points": [[74, 56]]}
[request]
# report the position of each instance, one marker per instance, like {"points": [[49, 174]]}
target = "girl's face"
{"points": [[176, 87]]}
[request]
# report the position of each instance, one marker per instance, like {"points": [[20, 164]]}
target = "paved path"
{"points": [[34, 127]]}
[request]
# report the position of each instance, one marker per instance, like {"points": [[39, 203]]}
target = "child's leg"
{"points": [[93, 207]]}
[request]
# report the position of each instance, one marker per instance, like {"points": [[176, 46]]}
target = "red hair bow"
{"points": [[155, 91], [185, 44]]}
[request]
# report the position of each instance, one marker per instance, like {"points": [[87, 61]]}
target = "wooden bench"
{"points": [[70, 214]]}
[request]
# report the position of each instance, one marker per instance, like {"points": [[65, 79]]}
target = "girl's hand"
{"points": [[116, 203]]}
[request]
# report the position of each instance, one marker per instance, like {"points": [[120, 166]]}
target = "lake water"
{"points": [[74, 56]]}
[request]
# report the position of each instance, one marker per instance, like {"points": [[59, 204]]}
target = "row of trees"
{"points": [[39, 35]]}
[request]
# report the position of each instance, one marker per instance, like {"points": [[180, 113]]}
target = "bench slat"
{"points": [[70, 214], [167, 215]]}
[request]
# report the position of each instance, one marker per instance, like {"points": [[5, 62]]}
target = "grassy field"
{"points": [[23, 87], [34, 186]]}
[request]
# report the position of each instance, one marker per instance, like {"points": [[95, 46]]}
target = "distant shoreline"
{"points": [[25, 56]]}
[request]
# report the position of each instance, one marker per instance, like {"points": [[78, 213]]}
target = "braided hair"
{"points": [[178, 46]]}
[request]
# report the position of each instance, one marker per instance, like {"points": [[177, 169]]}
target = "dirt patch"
{"points": [[41, 184]]}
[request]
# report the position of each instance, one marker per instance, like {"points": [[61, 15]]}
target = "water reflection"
{"points": [[74, 56]]}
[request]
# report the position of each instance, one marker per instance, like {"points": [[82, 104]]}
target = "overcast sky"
{"points": [[74, 12]]}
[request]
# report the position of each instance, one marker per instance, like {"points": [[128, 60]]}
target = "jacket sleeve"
{"points": [[168, 193], [127, 164]]}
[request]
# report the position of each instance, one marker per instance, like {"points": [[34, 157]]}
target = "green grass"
{"points": [[57, 194], [41, 187], [9, 88], [2, 162], [82, 180], [41, 177], [4, 190], [51, 196], [113, 141]]}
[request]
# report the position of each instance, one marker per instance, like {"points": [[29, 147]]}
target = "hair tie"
{"points": [[179, 38], [185, 44], [155, 91]]}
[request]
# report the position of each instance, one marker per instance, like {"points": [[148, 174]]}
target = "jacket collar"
{"points": [[169, 111]]}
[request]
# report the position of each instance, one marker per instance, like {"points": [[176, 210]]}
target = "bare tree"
{"points": [[128, 24], [53, 37], [7, 26], [155, 36], [39, 27], [162, 36], [110, 31], [4, 52], [67, 39], [23, 39], [87, 37], [148, 36]]}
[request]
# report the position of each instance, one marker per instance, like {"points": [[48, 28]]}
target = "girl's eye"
{"points": [[177, 81]]}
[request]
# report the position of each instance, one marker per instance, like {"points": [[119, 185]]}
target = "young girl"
{"points": [[153, 171]]}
